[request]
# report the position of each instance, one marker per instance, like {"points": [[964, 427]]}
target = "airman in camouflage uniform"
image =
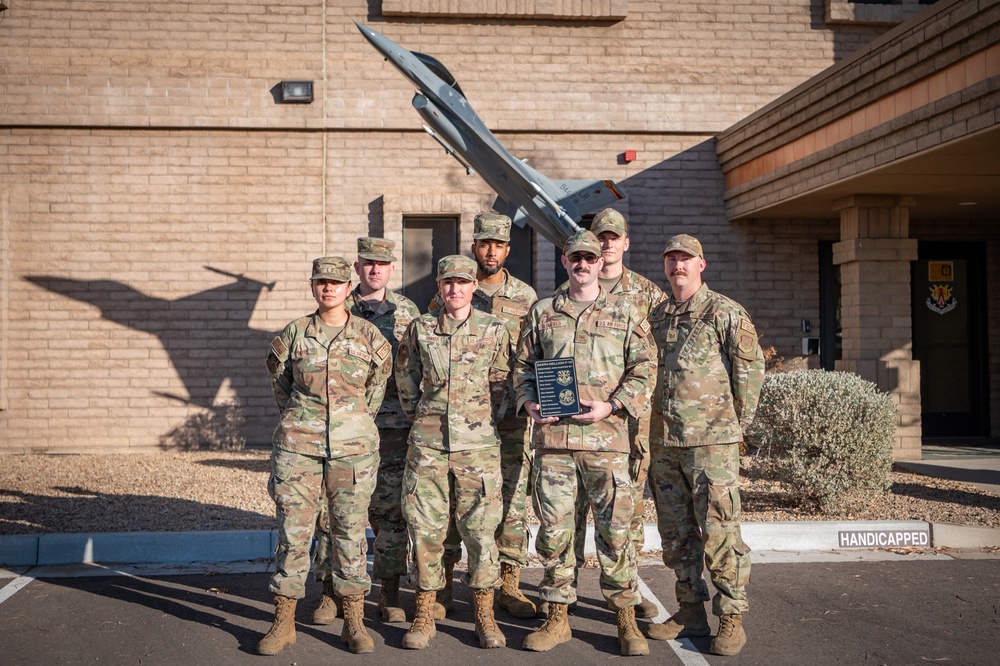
{"points": [[611, 230], [504, 296], [391, 313], [607, 337], [711, 370], [328, 373], [452, 372]]}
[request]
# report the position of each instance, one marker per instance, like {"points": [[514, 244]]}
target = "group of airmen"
{"points": [[429, 428]]}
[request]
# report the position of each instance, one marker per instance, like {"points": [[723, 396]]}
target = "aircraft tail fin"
{"points": [[515, 213], [585, 196]]}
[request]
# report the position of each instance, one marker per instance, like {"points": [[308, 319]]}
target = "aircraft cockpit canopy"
{"points": [[440, 70]]}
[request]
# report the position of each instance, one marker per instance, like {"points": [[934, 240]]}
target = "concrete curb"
{"points": [[137, 547], [245, 545]]}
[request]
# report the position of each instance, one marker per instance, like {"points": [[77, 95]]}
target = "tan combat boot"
{"points": [[445, 597], [633, 643], [487, 630], [282, 633], [646, 608], [388, 601], [329, 605], [512, 599], [554, 631], [731, 637], [690, 621], [354, 632], [422, 630]]}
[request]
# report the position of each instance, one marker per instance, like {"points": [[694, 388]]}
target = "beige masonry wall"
{"points": [[159, 209]]}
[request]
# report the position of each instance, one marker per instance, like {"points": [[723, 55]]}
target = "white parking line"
{"points": [[8, 590], [683, 648]]}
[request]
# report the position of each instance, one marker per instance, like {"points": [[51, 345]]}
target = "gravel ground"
{"points": [[188, 491]]}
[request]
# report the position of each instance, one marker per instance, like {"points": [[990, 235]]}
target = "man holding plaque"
{"points": [[502, 295], [611, 230], [606, 337], [711, 371]]}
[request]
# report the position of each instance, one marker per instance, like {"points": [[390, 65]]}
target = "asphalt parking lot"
{"points": [[915, 609]]}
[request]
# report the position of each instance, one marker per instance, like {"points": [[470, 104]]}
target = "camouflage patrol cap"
{"points": [[456, 265], [376, 249], [611, 220], [684, 243], [491, 226], [582, 241], [331, 268]]}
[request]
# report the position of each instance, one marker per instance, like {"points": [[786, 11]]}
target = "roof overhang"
{"points": [[915, 113]]}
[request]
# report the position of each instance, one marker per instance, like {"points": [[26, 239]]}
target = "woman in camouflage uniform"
{"points": [[328, 373]]}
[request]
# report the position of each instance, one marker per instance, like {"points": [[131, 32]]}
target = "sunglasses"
{"points": [[577, 257]]}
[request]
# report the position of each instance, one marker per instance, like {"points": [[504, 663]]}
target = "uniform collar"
{"points": [[315, 330], [387, 304], [563, 303], [692, 303], [501, 293]]}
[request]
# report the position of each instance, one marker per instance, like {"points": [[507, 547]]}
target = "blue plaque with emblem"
{"points": [[557, 389]]}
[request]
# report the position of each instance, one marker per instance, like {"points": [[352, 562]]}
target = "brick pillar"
{"points": [[874, 256]]}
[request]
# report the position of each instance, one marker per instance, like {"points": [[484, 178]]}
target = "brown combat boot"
{"points": [[388, 601], [646, 608], [487, 630], [282, 633], [690, 621], [445, 597], [329, 605], [422, 630], [554, 631], [354, 632], [633, 643], [512, 599], [731, 637]]}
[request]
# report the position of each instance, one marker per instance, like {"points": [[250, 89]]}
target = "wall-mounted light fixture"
{"points": [[296, 92]]}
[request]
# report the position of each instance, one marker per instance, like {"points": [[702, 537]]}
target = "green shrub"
{"points": [[827, 435]]}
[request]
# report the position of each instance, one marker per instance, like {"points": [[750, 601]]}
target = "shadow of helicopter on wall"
{"points": [[209, 340]]}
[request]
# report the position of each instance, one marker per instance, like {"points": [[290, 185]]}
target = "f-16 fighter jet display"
{"points": [[553, 208]]}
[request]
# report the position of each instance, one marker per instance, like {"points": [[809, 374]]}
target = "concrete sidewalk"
{"points": [[240, 546], [978, 471], [978, 468]]}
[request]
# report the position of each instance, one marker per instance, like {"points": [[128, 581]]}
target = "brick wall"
{"points": [[159, 210]]}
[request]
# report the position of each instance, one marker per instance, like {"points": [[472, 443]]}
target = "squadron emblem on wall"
{"points": [[941, 299]]}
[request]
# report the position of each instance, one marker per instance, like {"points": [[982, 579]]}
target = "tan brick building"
{"points": [[159, 205]]}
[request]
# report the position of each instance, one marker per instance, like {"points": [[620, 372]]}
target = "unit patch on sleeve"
{"points": [[383, 352]]}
